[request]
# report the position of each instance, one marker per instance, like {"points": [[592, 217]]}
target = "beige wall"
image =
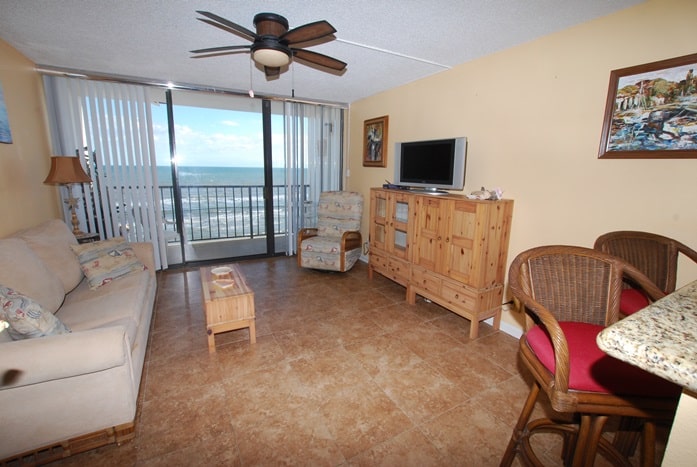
{"points": [[24, 199], [533, 116]]}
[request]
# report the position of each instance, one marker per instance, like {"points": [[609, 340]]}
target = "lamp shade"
{"points": [[271, 57], [66, 170]]}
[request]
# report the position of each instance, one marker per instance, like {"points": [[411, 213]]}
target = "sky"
{"points": [[675, 74], [215, 138]]}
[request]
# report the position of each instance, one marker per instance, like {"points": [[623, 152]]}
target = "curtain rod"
{"points": [[71, 73]]}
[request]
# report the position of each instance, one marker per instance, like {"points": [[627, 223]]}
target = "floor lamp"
{"points": [[66, 170]]}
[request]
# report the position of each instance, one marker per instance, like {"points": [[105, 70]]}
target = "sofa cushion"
{"points": [[26, 317], [51, 242], [22, 270], [319, 244], [106, 260], [122, 302]]}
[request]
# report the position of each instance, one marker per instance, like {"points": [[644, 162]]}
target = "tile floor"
{"points": [[344, 372]]}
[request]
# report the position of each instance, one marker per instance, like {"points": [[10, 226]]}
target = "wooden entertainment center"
{"points": [[447, 248]]}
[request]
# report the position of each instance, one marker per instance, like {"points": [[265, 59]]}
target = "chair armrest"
{"points": [[64, 356], [351, 240], [637, 278], [306, 233], [687, 251]]}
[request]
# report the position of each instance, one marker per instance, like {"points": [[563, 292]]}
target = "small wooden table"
{"points": [[227, 301]]}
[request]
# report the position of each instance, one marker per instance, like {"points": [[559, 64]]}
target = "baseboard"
{"points": [[507, 328]]}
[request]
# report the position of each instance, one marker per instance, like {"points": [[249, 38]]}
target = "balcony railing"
{"points": [[226, 211]]}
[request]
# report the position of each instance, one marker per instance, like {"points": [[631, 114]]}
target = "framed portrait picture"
{"points": [[651, 111], [375, 142]]}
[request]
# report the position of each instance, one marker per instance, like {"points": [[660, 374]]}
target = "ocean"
{"points": [[222, 202], [217, 176]]}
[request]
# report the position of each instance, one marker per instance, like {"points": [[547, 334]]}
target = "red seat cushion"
{"points": [[592, 369], [632, 300]]}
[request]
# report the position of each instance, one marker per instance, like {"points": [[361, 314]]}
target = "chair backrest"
{"points": [[570, 283], [339, 212], [654, 255]]}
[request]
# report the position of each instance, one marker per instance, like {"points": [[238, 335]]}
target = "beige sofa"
{"points": [[77, 390]]}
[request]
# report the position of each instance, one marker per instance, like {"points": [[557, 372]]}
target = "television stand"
{"points": [[449, 249]]}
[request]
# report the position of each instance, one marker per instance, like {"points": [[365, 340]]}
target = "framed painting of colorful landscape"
{"points": [[651, 111], [5, 135]]}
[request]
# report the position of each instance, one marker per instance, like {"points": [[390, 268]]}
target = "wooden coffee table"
{"points": [[227, 301]]}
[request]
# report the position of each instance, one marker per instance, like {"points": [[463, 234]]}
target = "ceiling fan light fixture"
{"points": [[271, 57], [274, 46]]}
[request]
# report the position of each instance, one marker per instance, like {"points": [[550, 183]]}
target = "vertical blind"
{"points": [[109, 126], [313, 152]]}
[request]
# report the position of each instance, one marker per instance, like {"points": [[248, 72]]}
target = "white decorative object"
{"points": [[495, 194], [221, 271]]}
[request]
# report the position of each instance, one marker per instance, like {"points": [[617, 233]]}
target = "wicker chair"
{"points": [[335, 244], [654, 255], [570, 294]]}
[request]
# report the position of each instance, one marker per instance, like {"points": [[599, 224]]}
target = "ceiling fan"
{"points": [[273, 45]]}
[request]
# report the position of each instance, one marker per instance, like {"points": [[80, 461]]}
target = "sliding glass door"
{"points": [[201, 175], [215, 162]]}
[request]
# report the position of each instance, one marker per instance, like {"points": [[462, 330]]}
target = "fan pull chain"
{"points": [[292, 77], [251, 88]]}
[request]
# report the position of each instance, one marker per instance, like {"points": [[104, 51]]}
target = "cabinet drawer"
{"points": [[398, 270], [393, 268], [460, 295], [425, 280], [378, 262]]}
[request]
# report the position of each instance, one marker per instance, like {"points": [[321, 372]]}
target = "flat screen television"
{"points": [[433, 165]]}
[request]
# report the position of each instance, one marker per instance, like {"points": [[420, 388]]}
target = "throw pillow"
{"points": [[106, 260], [27, 319], [23, 270], [51, 242]]}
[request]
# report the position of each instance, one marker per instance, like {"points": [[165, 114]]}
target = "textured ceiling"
{"points": [[386, 43]]}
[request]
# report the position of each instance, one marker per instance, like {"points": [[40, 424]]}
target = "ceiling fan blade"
{"points": [[219, 54], [308, 32], [319, 59], [224, 28], [272, 71], [220, 49], [227, 24]]}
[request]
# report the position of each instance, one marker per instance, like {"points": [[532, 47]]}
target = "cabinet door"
{"points": [[429, 232], [494, 254], [378, 219], [477, 251], [459, 254], [399, 208]]}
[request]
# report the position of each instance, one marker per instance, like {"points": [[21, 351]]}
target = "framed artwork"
{"points": [[375, 142], [651, 111], [5, 135]]}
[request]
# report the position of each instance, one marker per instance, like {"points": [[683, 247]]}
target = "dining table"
{"points": [[662, 339]]}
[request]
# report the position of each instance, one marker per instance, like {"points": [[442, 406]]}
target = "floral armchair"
{"points": [[335, 244]]}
